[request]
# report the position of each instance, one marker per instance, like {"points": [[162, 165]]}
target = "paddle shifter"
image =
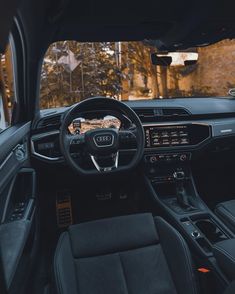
{"points": [[181, 193]]}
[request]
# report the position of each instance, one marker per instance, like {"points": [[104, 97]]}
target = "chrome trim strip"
{"points": [[226, 131], [6, 159], [104, 169], [175, 123], [39, 136]]}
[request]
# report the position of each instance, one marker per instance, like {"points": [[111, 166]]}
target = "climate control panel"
{"points": [[168, 157]]}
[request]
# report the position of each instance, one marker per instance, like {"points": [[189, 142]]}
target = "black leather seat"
{"points": [[135, 254], [224, 252], [226, 212]]}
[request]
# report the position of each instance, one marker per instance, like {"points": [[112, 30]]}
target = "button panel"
{"points": [[168, 157], [18, 211]]}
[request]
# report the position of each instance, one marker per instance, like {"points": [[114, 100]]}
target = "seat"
{"points": [[226, 212], [135, 254], [224, 252]]}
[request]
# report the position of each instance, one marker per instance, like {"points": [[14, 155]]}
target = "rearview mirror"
{"points": [[174, 58]]}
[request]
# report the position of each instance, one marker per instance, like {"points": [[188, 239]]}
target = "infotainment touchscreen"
{"points": [[163, 136]]}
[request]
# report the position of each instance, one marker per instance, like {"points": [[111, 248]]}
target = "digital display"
{"points": [[166, 136], [82, 125]]}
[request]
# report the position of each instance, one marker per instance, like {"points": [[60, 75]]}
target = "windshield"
{"points": [[74, 71]]}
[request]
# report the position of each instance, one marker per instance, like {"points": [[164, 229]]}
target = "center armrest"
{"points": [[224, 253]]}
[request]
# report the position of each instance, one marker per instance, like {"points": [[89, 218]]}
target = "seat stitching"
{"points": [[75, 267], [159, 252], [187, 260], [123, 271], [188, 263], [57, 271], [226, 212], [226, 253], [118, 251]]}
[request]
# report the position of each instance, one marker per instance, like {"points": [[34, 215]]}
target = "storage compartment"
{"points": [[204, 244], [210, 230], [165, 190]]}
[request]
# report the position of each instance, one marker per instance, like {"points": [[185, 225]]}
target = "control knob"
{"points": [[153, 159], [183, 157], [195, 234]]}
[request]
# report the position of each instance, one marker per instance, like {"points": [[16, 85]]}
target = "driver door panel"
{"points": [[17, 208]]}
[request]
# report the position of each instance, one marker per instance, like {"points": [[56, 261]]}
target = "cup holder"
{"points": [[210, 230]]}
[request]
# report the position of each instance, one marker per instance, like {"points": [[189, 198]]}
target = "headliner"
{"points": [[177, 24]]}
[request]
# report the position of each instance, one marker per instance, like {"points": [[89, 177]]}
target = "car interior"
{"points": [[104, 194]]}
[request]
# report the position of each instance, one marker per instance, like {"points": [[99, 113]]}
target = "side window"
{"points": [[7, 89]]}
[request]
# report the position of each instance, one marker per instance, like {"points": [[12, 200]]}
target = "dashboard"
{"points": [[174, 129]]}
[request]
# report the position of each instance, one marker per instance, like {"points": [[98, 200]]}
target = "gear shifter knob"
{"points": [[183, 198], [179, 175]]}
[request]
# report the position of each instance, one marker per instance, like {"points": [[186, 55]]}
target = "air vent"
{"points": [[53, 121], [161, 114], [174, 112], [144, 112]]}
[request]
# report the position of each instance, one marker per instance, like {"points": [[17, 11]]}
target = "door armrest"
{"points": [[13, 236]]}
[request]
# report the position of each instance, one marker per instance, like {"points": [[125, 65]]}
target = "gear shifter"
{"points": [[182, 197]]}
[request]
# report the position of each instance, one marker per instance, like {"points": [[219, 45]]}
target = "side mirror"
{"points": [[174, 58]]}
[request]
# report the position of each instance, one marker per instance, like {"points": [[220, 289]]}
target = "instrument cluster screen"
{"points": [[166, 136], [82, 125]]}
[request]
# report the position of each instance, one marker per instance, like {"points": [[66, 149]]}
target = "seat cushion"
{"points": [[230, 289], [226, 212], [142, 270], [123, 255]]}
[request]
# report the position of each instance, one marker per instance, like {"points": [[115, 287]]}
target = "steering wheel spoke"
{"points": [[102, 167], [127, 136]]}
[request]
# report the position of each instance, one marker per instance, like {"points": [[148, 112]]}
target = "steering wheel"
{"points": [[102, 144]]}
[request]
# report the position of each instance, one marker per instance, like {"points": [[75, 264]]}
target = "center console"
{"points": [[169, 179], [173, 188]]}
